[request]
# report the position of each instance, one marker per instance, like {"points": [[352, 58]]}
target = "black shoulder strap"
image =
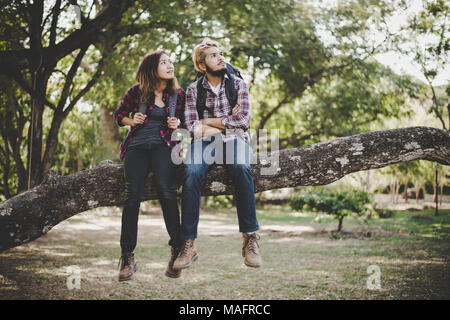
{"points": [[173, 104], [230, 90], [142, 106], [201, 97]]}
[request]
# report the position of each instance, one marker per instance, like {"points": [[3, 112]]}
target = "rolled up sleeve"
{"points": [[192, 121], [127, 105]]}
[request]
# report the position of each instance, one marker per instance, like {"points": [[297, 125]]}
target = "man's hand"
{"points": [[217, 122], [209, 130]]}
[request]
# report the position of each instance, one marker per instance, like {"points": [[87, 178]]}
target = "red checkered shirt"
{"points": [[218, 107], [130, 105]]}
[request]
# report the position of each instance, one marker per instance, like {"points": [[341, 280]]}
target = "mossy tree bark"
{"points": [[33, 213]]}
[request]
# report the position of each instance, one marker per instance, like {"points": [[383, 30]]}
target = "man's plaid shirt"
{"points": [[218, 107]]}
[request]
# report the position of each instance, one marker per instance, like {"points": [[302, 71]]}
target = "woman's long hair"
{"points": [[147, 76]]}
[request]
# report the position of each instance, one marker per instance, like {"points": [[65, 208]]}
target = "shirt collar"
{"points": [[206, 85]]}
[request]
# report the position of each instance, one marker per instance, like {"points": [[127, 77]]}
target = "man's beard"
{"points": [[217, 73]]}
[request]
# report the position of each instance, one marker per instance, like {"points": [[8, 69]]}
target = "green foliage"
{"points": [[334, 202], [309, 67], [224, 201], [385, 213]]}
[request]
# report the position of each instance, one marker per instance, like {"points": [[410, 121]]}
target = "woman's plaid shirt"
{"points": [[130, 105], [218, 107]]}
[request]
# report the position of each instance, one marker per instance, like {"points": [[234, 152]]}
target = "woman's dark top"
{"points": [[148, 136], [130, 105]]}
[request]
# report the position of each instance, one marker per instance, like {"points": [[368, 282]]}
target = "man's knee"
{"points": [[194, 173], [240, 169]]}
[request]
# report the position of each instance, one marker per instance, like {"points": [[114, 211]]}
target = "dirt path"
{"points": [[300, 262]]}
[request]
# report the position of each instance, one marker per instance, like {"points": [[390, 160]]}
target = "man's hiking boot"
{"points": [[187, 255], [250, 250]]}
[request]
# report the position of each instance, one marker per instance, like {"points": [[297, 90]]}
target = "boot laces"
{"points": [[174, 253], [125, 260], [251, 241], [186, 248]]}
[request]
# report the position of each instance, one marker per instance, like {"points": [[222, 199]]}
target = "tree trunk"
{"points": [[341, 219], [392, 191], [405, 192], [39, 84], [52, 140], [434, 192], [34, 169], [417, 192], [397, 188], [33, 213], [109, 134]]}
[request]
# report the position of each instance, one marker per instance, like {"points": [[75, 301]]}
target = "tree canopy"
{"points": [[64, 65]]}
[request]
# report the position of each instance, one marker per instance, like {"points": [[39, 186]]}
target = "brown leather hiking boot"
{"points": [[127, 266], [170, 272], [250, 250], [187, 255]]}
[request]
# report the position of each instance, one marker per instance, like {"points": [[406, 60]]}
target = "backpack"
{"points": [[142, 107], [230, 89], [172, 105]]}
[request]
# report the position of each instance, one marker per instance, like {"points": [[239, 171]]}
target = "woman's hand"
{"points": [[138, 118], [236, 109], [173, 123]]}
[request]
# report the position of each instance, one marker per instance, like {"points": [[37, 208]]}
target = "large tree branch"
{"points": [[91, 30], [33, 213], [69, 78], [55, 15]]}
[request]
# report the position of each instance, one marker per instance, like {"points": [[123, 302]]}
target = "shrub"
{"points": [[385, 213], [334, 202]]}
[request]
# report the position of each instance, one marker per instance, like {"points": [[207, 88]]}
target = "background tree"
{"points": [[427, 38], [309, 67], [335, 202]]}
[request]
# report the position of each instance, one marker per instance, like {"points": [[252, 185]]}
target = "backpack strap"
{"points": [[172, 104], [142, 106], [201, 97], [230, 90]]}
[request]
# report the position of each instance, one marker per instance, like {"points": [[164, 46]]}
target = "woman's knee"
{"points": [[132, 195], [166, 192]]}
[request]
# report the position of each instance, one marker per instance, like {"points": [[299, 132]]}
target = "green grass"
{"points": [[302, 259]]}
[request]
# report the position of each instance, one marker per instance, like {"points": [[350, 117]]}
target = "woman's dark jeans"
{"points": [[137, 165]]}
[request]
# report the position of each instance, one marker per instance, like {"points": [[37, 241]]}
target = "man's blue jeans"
{"points": [[235, 155]]}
